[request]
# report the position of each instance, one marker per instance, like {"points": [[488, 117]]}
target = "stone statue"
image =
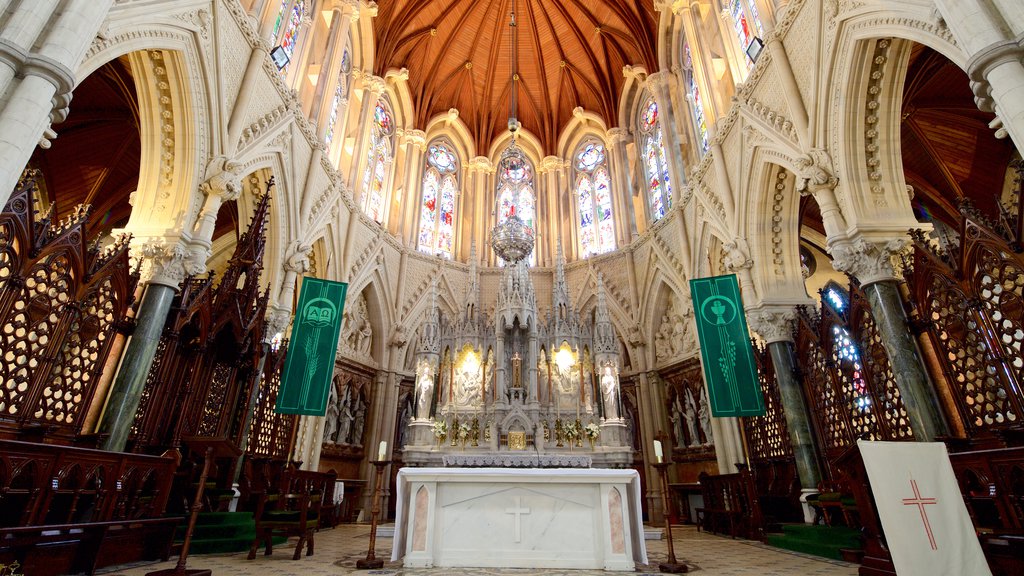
{"points": [[609, 389], [663, 340], [677, 423], [331, 418], [359, 422], [705, 418], [423, 393], [346, 420], [358, 335], [690, 415], [403, 419]]}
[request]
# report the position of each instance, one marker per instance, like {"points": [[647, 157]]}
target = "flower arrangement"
{"points": [[440, 430], [571, 431], [462, 432], [592, 431]]}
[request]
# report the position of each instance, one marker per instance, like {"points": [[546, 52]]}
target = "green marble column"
{"points": [[795, 409], [918, 396], [126, 390]]}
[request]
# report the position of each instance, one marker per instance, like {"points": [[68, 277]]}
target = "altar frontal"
{"points": [[519, 518]]}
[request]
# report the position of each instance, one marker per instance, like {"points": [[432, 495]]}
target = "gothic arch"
{"points": [[173, 93], [863, 116]]}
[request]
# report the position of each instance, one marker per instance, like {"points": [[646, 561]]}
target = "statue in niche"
{"points": [[423, 385], [673, 336], [358, 422], [404, 417], [331, 418], [346, 419], [691, 418], [677, 423], [358, 334], [663, 340], [705, 418], [609, 393]]}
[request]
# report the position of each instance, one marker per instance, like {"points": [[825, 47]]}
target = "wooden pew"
{"points": [[69, 510], [730, 505]]}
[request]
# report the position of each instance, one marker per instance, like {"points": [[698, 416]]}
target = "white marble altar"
{"points": [[519, 518]]}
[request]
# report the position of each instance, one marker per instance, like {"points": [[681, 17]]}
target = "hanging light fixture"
{"points": [[512, 238]]}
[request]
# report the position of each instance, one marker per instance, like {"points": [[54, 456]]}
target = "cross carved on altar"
{"points": [[920, 502], [518, 510]]}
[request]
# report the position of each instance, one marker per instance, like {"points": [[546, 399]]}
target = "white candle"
{"points": [[382, 451], [657, 451]]}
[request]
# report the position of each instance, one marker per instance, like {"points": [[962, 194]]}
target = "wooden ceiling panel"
{"points": [[571, 53]]}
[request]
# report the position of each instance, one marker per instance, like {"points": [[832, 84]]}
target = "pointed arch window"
{"points": [[747, 24], [437, 212], [593, 187], [659, 190], [696, 103], [508, 179], [379, 161], [291, 22], [340, 93]]}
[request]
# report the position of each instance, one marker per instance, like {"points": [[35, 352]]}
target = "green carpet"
{"points": [[817, 540], [221, 532]]}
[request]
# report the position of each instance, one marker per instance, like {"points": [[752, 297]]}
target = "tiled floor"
{"points": [[337, 551]]}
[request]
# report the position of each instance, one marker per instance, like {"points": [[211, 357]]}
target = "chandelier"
{"points": [[512, 238]]}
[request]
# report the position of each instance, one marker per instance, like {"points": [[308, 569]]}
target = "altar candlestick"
{"points": [[382, 450], [658, 454]]}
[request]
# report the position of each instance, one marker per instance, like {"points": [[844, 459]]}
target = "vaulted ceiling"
{"points": [[571, 53]]}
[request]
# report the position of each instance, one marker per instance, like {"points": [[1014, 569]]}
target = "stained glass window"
{"points": [[516, 172], [277, 22], [693, 92], [437, 213], [655, 162], [290, 38], [378, 162], [340, 92], [597, 229], [740, 10]]}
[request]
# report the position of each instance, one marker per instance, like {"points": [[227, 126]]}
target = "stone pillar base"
{"points": [[421, 432], [808, 511], [613, 433]]}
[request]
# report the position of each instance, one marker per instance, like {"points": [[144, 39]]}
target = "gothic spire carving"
{"points": [[430, 336], [604, 331]]}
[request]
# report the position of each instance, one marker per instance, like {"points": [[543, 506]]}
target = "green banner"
{"points": [[308, 369], [725, 349]]}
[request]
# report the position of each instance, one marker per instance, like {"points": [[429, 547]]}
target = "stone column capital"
{"points": [[869, 262], [619, 137], [481, 164], [773, 323], [162, 261], [417, 138], [661, 82], [737, 255], [374, 85], [278, 319], [550, 163]]}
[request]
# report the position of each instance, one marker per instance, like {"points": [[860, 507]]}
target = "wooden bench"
{"points": [[69, 510], [730, 505]]}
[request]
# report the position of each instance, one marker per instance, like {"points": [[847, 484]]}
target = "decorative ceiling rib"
{"points": [[571, 53]]}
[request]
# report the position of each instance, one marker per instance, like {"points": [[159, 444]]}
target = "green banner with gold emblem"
{"points": [[725, 349], [308, 369]]}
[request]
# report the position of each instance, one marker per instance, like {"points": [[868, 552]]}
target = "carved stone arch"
{"points": [[452, 127], [584, 126], [773, 230], [658, 293], [864, 111], [378, 314], [174, 122], [281, 230], [633, 96], [670, 39]]}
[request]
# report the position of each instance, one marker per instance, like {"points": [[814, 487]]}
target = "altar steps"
{"points": [[825, 541], [219, 533]]}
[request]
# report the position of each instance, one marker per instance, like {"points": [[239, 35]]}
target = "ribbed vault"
{"points": [[571, 53]]}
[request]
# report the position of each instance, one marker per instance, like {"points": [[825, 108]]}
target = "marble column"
{"points": [[41, 49], [996, 58], [164, 266], [373, 88], [625, 221], [775, 324], [224, 185], [871, 264]]}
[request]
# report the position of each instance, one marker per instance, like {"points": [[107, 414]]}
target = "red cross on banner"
{"points": [[924, 519], [921, 503]]}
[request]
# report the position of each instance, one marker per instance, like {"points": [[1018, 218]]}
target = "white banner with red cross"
{"points": [[924, 518]]}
